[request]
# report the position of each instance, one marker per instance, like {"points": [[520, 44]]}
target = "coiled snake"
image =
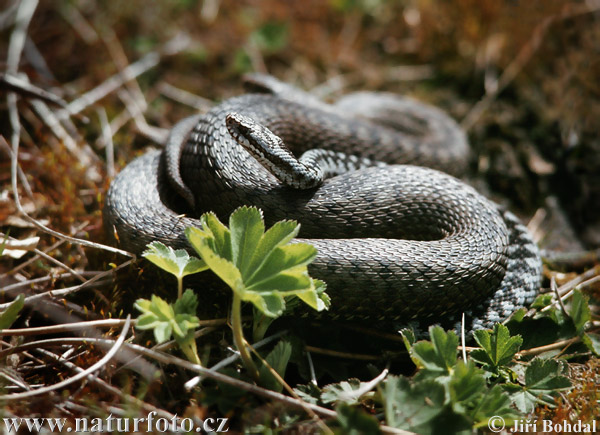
{"points": [[395, 242]]}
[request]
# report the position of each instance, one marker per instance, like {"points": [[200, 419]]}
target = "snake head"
{"points": [[270, 151]]}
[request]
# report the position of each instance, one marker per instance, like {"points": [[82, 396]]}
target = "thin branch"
{"points": [[23, 87], [66, 327], [6, 147], [106, 386], [107, 136], [368, 386], [19, 35], [132, 71], [541, 349], [185, 97], [554, 288], [69, 290], [31, 282], [46, 250], [83, 374], [289, 389]]}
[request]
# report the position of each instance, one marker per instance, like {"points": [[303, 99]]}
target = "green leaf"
{"points": [[259, 266], [219, 264], [494, 403], [408, 337], [543, 300], [177, 262], [439, 354], [592, 342], [310, 393], [278, 359], [183, 324], [466, 385], [279, 234], [159, 316], [271, 304], [498, 347], [290, 258], [411, 406], [8, 316], [580, 311], [543, 379], [342, 392], [187, 303], [247, 228], [162, 331], [354, 421], [315, 296]]}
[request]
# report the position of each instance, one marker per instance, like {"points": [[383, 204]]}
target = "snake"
{"points": [[371, 178]]}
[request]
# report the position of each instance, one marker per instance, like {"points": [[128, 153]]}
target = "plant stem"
{"points": [[188, 347], [238, 336], [179, 286]]}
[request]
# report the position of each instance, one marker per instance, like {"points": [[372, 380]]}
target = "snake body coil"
{"points": [[395, 243]]}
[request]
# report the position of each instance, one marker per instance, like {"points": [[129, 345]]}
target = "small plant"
{"points": [[10, 315], [260, 267], [449, 395]]}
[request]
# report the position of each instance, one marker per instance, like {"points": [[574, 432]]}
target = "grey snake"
{"points": [[397, 242]]}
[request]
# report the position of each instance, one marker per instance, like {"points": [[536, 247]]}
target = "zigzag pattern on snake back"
{"points": [[398, 243]]}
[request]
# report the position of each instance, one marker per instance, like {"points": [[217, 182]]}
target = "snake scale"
{"points": [[397, 242]]}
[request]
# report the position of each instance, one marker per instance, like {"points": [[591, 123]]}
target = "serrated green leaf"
{"points": [[220, 265], [408, 338], [518, 315], [182, 324], [314, 296], [466, 385], [147, 321], [592, 342], [257, 265], [247, 228], [218, 233], [543, 300], [187, 303], [324, 301], [271, 304], [287, 282], [162, 331], [160, 316], [8, 316], [342, 392], [291, 259], [494, 403], [543, 380], [310, 393], [546, 375], [161, 308], [177, 262], [498, 347], [439, 354], [278, 359], [411, 406], [354, 421], [279, 234], [579, 311]]}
